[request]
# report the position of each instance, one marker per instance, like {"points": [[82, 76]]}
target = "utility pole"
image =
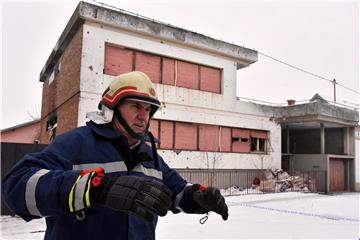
{"points": [[334, 81]]}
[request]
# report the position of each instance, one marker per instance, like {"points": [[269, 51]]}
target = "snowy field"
{"points": [[262, 216]]}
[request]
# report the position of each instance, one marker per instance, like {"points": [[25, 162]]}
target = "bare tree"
{"points": [[35, 114]]}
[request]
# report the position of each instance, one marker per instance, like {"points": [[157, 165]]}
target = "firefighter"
{"points": [[102, 181]]}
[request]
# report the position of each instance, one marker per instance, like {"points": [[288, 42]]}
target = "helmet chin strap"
{"points": [[139, 136], [127, 128]]}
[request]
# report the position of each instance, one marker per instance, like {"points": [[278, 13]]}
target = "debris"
{"points": [[277, 180]]}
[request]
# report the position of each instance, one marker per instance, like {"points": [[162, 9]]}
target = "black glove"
{"points": [[133, 195], [211, 199]]}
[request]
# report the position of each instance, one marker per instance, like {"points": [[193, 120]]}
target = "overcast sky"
{"points": [[322, 38]]}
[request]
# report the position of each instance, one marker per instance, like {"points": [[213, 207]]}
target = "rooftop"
{"points": [[86, 12]]}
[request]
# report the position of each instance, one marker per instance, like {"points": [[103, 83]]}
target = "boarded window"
{"points": [[149, 64], [187, 75], [117, 60], [201, 137], [168, 71], [210, 79], [258, 134], [154, 128], [240, 140], [163, 70], [208, 138], [186, 137], [166, 135], [225, 139]]}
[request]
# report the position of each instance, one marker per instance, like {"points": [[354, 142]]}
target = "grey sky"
{"points": [[322, 38]]}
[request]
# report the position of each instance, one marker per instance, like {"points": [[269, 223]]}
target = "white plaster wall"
{"points": [[216, 160], [180, 104]]}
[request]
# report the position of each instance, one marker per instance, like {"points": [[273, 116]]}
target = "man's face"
{"points": [[136, 114]]}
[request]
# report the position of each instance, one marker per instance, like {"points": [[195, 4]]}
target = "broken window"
{"points": [[258, 145], [240, 140], [51, 125], [258, 141]]}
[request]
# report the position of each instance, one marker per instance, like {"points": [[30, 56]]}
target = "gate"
{"points": [[10, 154]]}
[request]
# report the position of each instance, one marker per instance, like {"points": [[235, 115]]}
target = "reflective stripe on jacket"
{"points": [[39, 185]]}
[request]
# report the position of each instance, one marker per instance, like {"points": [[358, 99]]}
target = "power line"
{"points": [[265, 55], [348, 88], [292, 66], [307, 72]]}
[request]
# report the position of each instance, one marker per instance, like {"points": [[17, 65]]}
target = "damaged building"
{"points": [[201, 125]]}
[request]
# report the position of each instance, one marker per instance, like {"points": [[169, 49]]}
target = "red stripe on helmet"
{"points": [[114, 100], [110, 97]]}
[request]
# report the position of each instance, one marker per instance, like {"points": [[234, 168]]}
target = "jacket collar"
{"points": [[104, 130]]}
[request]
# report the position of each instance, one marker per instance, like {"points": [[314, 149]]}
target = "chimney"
{"points": [[291, 102]]}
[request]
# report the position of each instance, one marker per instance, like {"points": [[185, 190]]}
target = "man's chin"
{"points": [[140, 132]]}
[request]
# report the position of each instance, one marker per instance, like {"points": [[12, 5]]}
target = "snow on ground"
{"points": [[281, 215]]}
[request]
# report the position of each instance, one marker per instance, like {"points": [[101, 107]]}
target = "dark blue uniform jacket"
{"points": [[39, 184]]}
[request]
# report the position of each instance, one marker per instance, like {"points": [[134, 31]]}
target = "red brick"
{"points": [[208, 138], [168, 71], [117, 60], [225, 136], [187, 75], [210, 79], [166, 134], [67, 117], [61, 97], [154, 128], [149, 64], [185, 136]]}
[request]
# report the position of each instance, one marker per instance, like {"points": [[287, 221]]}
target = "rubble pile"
{"points": [[277, 180]]}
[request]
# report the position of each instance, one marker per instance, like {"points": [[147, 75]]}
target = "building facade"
{"points": [[201, 123]]}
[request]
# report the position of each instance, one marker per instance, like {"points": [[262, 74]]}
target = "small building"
{"points": [[321, 136], [24, 133]]}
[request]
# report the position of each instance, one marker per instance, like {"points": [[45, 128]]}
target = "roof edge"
{"points": [[68, 33], [134, 23], [20, 125]]}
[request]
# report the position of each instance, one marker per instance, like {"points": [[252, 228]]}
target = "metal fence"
{"points": [[237, 182]]}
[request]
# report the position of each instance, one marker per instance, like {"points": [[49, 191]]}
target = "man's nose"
{"points": [[143, 114]]}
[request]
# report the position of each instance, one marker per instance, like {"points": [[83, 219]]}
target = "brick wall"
{"points": [[166, 134], [203, 137], [63, 91], [162, 70], [67, 114]]}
